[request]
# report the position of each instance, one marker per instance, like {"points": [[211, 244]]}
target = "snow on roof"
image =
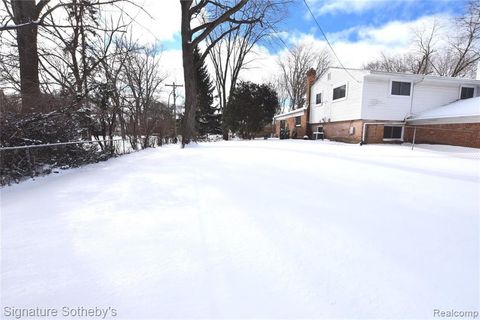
{"points": [[460, 111], [290, 113]]}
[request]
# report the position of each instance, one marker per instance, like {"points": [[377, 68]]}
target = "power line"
{"points": [[275, 32], [328, 42]]}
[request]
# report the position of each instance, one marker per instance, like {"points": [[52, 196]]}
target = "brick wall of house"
{"points": [[465, 135], [340, 130], [290, 125], [374, 133]]}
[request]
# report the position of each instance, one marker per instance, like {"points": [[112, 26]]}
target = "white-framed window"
{"points": [[329, 76], [400, 88], [298, 121], [392, 133], [318, 98], [467, 92], [318, 133], [339, 93]]}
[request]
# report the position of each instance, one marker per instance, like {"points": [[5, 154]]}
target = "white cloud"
{"points": [[348, 6], [395, 37], [154, 20]]}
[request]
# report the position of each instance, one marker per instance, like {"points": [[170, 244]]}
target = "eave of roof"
{"points": [[289, 114], [382, 74]]}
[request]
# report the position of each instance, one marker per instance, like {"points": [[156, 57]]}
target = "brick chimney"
{"points": [[311, 75]]}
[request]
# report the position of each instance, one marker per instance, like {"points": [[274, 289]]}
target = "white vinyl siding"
{"points": [[341, 109], [369, 96], [379, 104]]}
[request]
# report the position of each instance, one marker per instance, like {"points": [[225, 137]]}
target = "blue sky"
{"points": [[353, 14], [371, 13]]}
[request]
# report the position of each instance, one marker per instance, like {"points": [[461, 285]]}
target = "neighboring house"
{"points": [[374, 107], [294, 122]]}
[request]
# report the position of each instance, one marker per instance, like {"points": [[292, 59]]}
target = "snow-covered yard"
{"points": [[250, 229]]}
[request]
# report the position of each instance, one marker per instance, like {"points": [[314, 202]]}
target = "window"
{"points": [[390, 132], [401, 88], [467, 93], [282, 124], [298, 121], [318, 98], [318, 134], [329, 76], [340, 92]]}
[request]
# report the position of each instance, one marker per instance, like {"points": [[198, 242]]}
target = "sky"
{"points": [[359, 30]]}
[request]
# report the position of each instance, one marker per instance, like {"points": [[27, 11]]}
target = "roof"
{"points": [[289, 114], [408, 76], [460, 111], [422, 77]]}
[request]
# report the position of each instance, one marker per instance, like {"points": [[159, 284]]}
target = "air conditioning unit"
{"points": [[351, 130]]}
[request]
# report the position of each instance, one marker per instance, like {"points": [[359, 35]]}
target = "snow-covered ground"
{"points": [[278, 229]]}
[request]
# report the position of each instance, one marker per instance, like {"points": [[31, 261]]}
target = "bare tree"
{"points": [[234, 52], [108, 91], [466, 46], [144, 78], [398, 63], [214, 14], [294, 67], [279, 86], [425, 40], [25, 17], [458, 57]]}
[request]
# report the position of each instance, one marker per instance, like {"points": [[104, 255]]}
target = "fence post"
{"points": [[27, 152]]}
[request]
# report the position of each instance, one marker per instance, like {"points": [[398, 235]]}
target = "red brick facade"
{"points": [[295, 131], [465, 134], [341, 131]]}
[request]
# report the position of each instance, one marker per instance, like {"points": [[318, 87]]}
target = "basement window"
{"points": [[392, 133], [340, 92], [318, 98], [298, 121], [318, 134], [467, 92], [401, 88]]}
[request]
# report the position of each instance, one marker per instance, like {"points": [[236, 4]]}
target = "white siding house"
{"points": [[369, 95], [367, 106], [340, 109], [354, 105]]}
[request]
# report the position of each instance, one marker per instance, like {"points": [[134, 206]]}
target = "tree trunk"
{"points": [[25, 11], [188, 121]]}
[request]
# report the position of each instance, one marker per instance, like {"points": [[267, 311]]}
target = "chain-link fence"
{"points": [[19, 162]]}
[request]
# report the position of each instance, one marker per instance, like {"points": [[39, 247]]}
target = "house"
{"points": [[364, 106]]}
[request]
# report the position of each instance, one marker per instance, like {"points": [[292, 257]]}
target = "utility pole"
{"points": [[174, 88]]}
